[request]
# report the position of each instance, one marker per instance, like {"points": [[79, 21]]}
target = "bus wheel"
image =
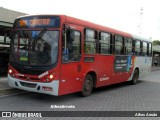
{"points": [[87, 86], [135, 77]]}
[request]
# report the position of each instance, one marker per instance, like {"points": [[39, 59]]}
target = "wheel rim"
{"points": [[87, 85]]}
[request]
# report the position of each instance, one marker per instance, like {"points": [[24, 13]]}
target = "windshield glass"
{"points": [[34, 48]]}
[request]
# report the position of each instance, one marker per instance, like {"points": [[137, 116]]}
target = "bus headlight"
{"points": [[10, 71], [51, 76]]}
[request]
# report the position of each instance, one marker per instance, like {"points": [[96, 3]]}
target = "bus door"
{"points": [[71, 78]]}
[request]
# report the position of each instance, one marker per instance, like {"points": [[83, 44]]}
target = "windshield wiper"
{"points": [[40, 35]]}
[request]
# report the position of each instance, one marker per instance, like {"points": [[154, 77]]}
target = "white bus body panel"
{"points": [[143, 63], [54, 85]]}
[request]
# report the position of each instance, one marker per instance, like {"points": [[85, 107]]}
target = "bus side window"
{"points": [[75, 53], [104, 43], [90, 42], [144, 49], [128, 46], [149, 49], [137, 47], [71, 49], [118, 45]]}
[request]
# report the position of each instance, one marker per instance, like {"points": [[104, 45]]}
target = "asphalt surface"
{"points": [[5, 89]]}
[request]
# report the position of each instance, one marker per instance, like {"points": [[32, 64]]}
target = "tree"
{"points": [[156, 42]]}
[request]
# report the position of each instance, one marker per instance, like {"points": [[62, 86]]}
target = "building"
{"points": [[7, 18]]}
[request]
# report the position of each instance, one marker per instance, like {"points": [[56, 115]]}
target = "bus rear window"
{"points": [[37, 22]]}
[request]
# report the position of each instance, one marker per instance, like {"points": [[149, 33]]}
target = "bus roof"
{"points": [[91, 25], [140, 38], [103, 28], [95, 26]]}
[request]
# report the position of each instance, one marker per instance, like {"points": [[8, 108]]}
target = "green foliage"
{"points": [[156, 42]]}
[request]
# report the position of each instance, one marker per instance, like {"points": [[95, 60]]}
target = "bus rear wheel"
{"points": [[135, 77], [87, 86]]}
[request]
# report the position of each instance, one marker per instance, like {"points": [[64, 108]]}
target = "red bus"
{"points": [[58, 54]]}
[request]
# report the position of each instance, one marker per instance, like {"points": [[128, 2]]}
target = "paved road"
{"points": [[145, 96]]}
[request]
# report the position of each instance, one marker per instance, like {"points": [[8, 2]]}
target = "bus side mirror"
{"points": [[70, 35]]}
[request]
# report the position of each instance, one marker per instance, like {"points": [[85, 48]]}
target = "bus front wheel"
{"points": [[135, 77], [87, 86]]}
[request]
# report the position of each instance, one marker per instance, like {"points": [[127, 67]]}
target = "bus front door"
{"points": [[71, 78]]}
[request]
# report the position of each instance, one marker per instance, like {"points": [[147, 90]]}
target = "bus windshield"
{"points": [[34, 48]]}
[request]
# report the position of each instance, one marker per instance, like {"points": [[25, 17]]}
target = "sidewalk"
{"points": [[155, 68], [6, 90]]}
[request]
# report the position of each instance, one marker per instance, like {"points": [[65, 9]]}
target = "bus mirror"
{"points": [[71, 35], [67, 27]]}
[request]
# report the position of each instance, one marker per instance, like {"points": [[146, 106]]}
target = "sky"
{"points": [[139, 17]]}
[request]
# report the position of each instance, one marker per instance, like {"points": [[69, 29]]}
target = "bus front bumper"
{"points": [[46, 88]]}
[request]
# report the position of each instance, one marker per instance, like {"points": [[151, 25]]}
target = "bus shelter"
{"points": [[7, 18]]}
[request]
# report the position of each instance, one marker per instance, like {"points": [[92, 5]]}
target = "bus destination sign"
{"points": [[34, 22]]}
